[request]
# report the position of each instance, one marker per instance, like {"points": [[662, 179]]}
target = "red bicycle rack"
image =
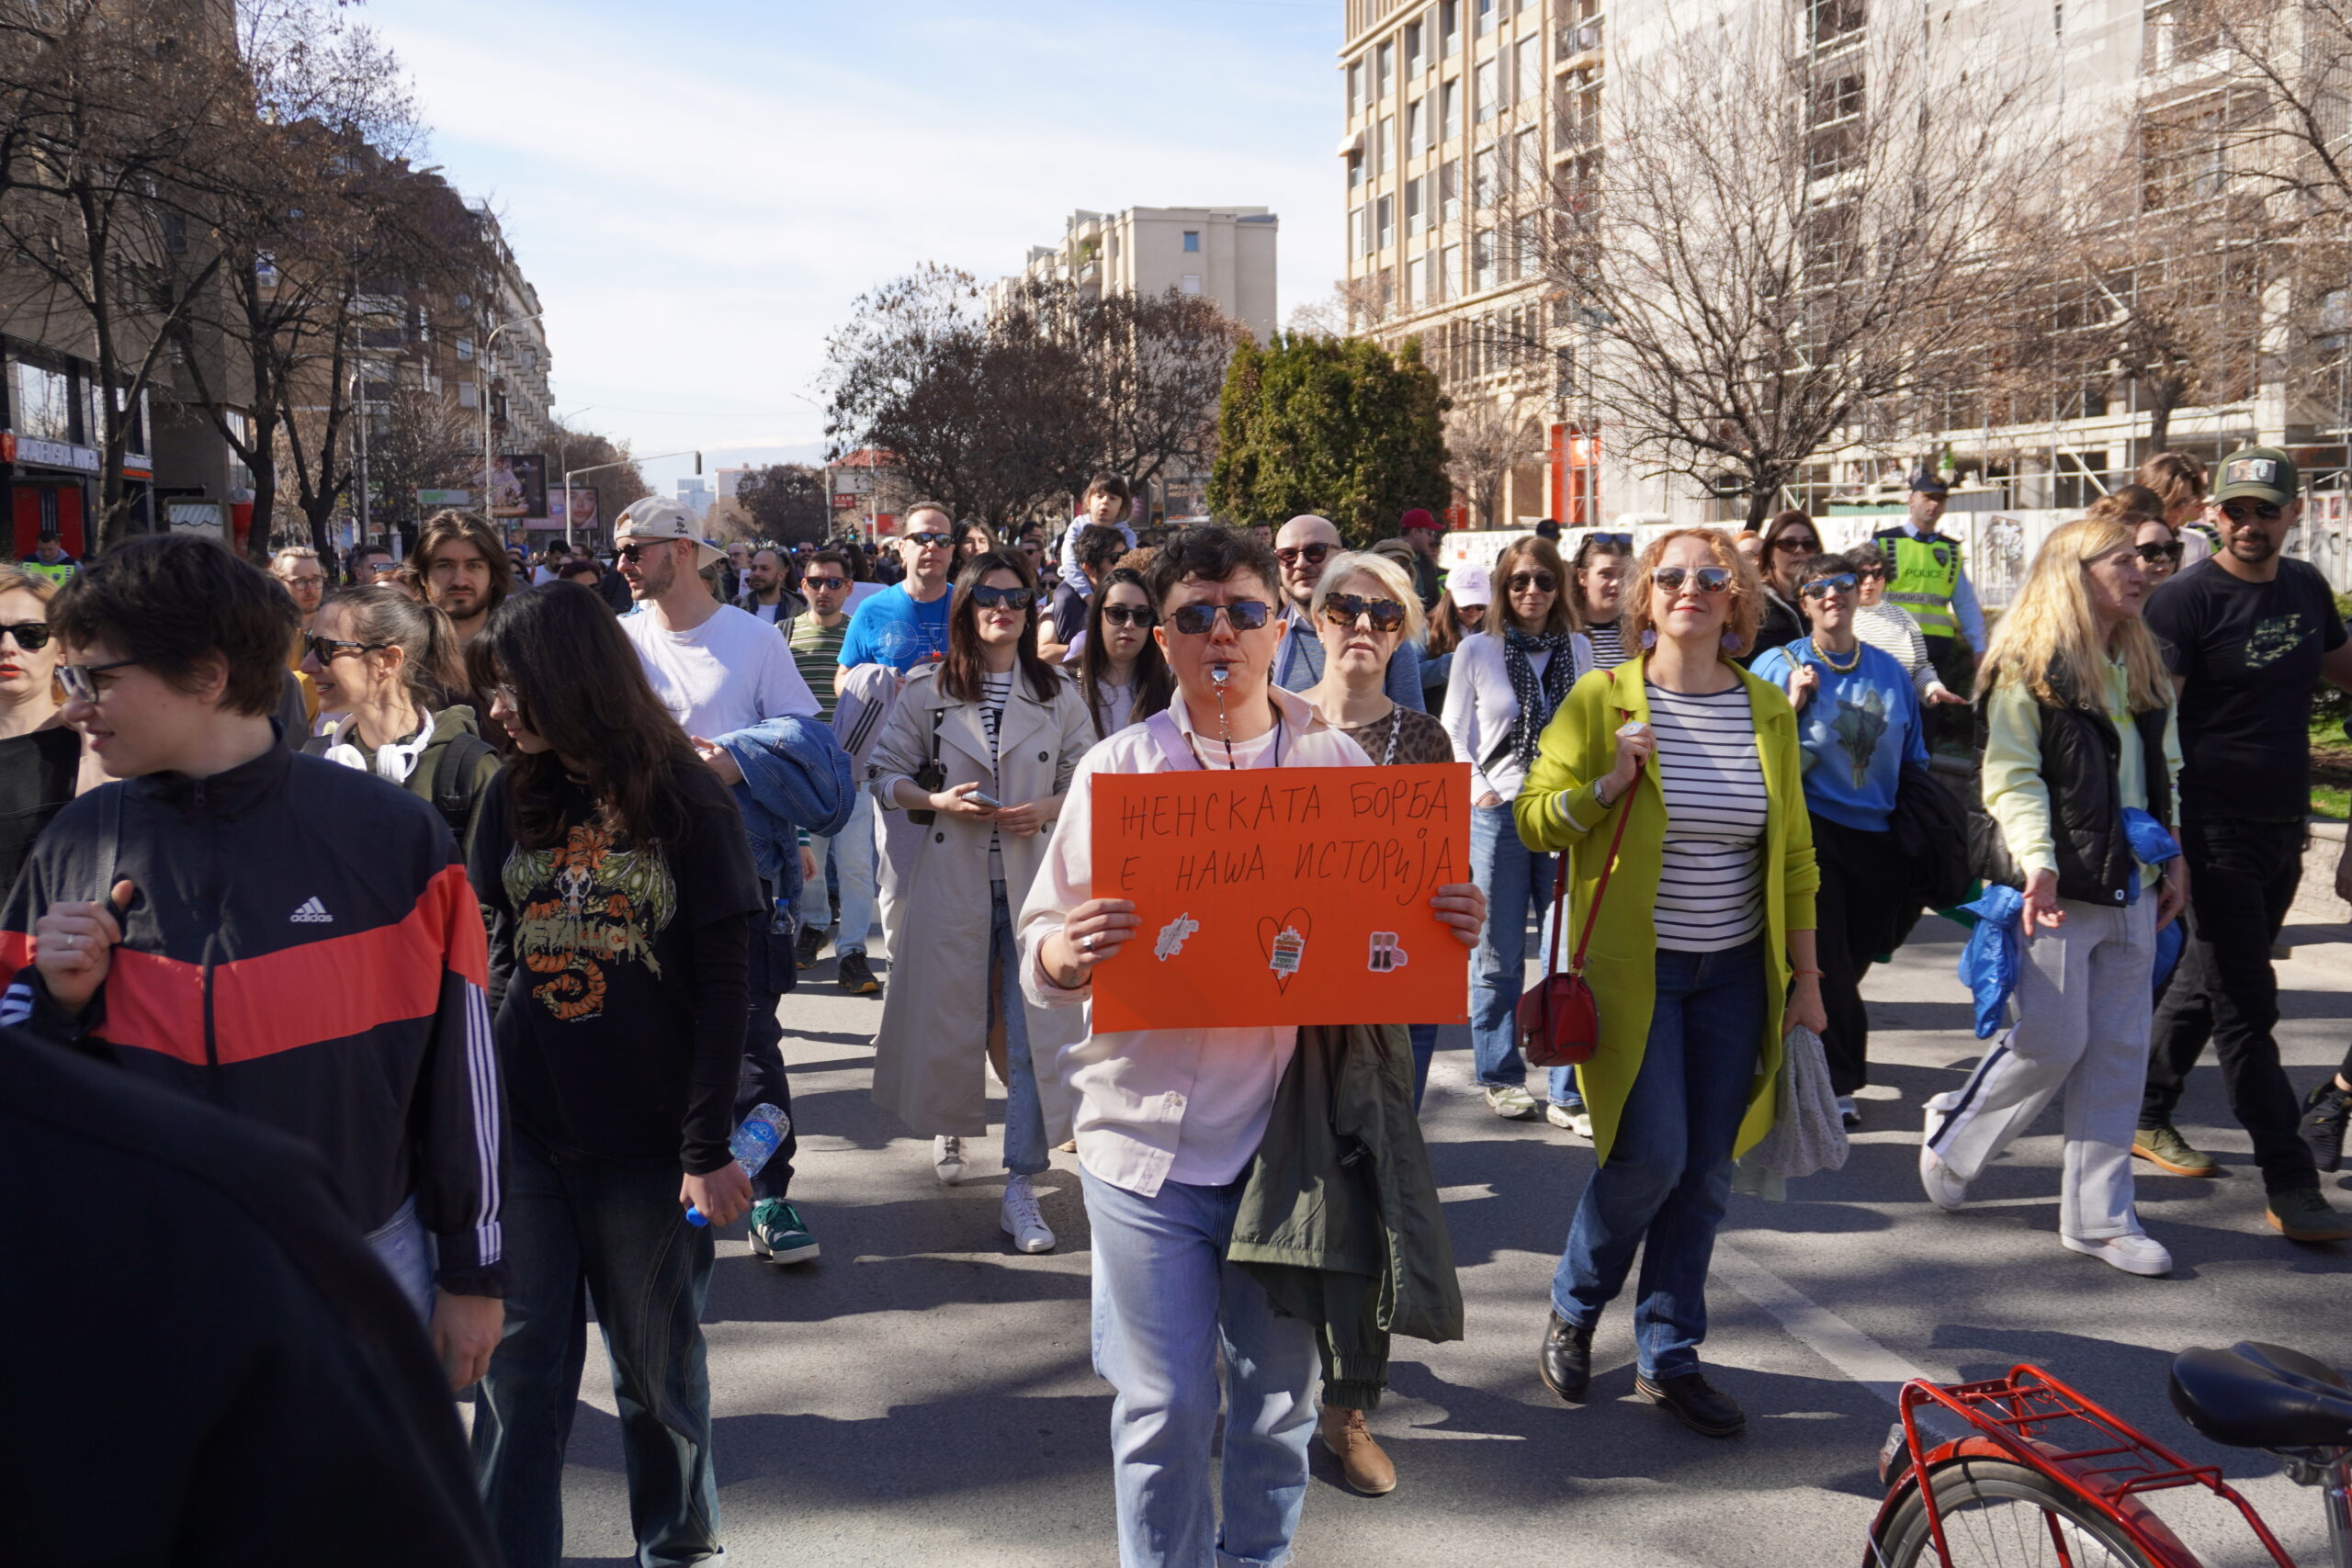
{"points": [[2030, 1418]]}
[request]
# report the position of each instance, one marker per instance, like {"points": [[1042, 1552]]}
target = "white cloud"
{"points": [[699, 201]]}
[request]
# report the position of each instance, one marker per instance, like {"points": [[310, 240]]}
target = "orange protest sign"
{"points": [[1298, 896]]}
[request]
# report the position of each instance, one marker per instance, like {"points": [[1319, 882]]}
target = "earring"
{"points": [[1649, 637], [1731, 642]]}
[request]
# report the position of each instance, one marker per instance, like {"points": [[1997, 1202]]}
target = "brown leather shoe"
{"points": [[1361, 1464]]}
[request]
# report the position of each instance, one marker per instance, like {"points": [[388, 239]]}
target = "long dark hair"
{"points": [[960, 672], [578, 685], [1155, 684], [432, 670]]}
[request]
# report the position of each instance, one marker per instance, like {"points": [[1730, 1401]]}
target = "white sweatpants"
{"points": [[2083, 1005]]}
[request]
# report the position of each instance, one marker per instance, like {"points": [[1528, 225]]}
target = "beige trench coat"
{"points": [[933, 1039]]}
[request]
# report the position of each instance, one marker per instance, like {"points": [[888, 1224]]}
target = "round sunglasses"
{"points": [[1520, 582]]}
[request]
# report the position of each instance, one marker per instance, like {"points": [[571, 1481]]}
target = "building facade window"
{"points": [[1384, 222], [1449, 26], [1488, 91], [1488, 11], [1192, 239], [1355, 87], [1449, 275], [1356, 170], [1449, 109], [1384, 59], [1449, 191], [1360, 230], [1189, 284], [1416, 128], [1482, 260], [1530, 69], [468, 396], [1383, 139], [41, 401], [1413, 211], [1412, 49]]}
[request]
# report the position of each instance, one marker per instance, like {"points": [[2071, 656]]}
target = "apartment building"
{"points": [[1225, 254]]}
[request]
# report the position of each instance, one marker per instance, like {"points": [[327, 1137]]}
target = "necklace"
{"points": [[1830, 659]]}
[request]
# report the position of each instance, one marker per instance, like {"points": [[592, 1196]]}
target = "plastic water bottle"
{"points": [[754, 1144]]}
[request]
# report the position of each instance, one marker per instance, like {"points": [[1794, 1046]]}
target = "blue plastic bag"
{"points": [[1988, 964]]}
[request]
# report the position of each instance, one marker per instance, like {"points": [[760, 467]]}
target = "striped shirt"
{"points": [[1710, 877], [995, 692], [817, 651], [1608, 645]]}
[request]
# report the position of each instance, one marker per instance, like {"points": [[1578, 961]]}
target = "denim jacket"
{"points": [[796, 777]]}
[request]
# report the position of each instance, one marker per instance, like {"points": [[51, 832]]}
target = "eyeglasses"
{"points": [[930, 541], [2154, 552], [1141, 616], [1346, 609], [1706, 578], [1823, 587], [1244, 614], [80, 681], [1312, 554], [1520, 582], [506, 697], [1795, 545], [2242, 513], [988, 598], [823, 584], [31, 636], [325, 648]]}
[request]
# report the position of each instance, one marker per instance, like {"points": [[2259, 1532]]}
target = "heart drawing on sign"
{"points": [[1284, 941]]}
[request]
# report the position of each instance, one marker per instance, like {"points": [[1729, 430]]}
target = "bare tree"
{"points": [[1154, 366], [1484, 440], [420, 439], [784, 502], [1782, 241]]}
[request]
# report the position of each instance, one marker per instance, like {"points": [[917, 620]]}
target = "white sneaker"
{"points": [[948, 1159], [1019, 1216], [1512, 1102], [2135, 1252], [1848, 1113], [1944, 1189]]}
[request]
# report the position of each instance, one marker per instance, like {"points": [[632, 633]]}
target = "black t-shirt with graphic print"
{"points": [[617, 978], [2250, 653]]}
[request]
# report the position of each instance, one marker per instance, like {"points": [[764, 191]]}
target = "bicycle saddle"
{"points": [[2262, 1396]]}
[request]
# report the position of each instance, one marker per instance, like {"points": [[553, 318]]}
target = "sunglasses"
{"points": [[1707, 579], [1312, 554], [1345, 609], [31, 636], [1823, 587], [1520, 582], [2153, 553], [1141, 617], [1244, 614], [638, 552], [1873, 574], [1795, 545], [823, 584], [80, 679], [1624, 539], [325, 648], [2245, 511], [930, 541], [988, 598]]}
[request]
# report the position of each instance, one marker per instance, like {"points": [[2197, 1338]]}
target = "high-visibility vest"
{"points": [[1925, 575], [56, 571]]}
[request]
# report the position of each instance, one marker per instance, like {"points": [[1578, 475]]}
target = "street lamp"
{"points": [[489, 346], [598, 467]]}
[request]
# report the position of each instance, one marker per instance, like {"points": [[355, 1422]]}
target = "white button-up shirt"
{"points": [[1154, 1105]]}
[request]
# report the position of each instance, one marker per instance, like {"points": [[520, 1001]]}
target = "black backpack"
{"points": [[453, 781]]}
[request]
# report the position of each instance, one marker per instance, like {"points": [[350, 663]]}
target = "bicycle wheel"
{"points": [[1999, 1515]]}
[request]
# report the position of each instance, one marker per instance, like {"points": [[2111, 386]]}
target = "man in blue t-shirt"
{"points": [[906, 625]]}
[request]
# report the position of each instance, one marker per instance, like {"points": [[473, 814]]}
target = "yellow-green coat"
{"points": [[1579, 748]]}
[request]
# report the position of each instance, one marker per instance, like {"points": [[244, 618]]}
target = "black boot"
{"points": [[1697, 1404], [1566, 1361], [2324, 1112]]}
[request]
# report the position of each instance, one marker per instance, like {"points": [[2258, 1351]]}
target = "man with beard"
{"points": [[767, 591], [465, 572], [2248, 635]]}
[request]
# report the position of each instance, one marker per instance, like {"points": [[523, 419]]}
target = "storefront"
{"points": [[50, 489]]}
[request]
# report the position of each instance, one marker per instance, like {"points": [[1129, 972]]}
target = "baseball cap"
{"points": [[1419, 517], [655, 518], [1927, 481], [1471, 585], [2256, 473]]}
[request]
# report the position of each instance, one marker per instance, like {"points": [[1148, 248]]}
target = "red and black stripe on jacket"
{"points": [[304, 949]]}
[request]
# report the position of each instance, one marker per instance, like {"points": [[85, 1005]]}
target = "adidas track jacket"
{"points": [[304, 949]]}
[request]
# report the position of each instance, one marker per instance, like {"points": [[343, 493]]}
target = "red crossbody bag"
{"points": [[1559, 1021]]}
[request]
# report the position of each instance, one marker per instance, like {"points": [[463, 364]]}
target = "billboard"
{"points": [[518, 486], [580, 513]]}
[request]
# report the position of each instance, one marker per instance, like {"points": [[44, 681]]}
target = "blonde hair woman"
{"points": [[1703, 950], [2080, 731], [40, 758]]}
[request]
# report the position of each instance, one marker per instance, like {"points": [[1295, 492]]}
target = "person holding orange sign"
{"points": [[1168, 1120]]}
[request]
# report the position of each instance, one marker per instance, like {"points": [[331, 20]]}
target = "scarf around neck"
{"points": [[1537, 697]]}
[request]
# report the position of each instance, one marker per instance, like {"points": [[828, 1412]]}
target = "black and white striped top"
{"points": [[1711, 879], [995, 692], [1608, 645]]}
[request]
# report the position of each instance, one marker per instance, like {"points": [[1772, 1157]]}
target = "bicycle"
{"points": [[2039, 1474]]}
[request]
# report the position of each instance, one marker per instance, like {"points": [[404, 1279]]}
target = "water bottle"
{"points": [[754, 1144]]}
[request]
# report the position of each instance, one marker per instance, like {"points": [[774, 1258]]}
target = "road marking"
{"points": [[1854, 1353]]}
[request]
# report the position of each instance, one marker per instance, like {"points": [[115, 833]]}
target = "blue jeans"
{"points": [[762, 1080], [851, 856], [1515, 880], [1668, 1171], [1025, 1116], [578, 1230], [1166, 1304]]}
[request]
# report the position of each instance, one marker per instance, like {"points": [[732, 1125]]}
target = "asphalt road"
{"points": [[922, 1395]]}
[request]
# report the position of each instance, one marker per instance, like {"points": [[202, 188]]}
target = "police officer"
{"points": [[1927, 578], [50, 560]]}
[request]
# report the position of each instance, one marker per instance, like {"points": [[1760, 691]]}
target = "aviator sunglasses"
{"points": [[1706, 578]]}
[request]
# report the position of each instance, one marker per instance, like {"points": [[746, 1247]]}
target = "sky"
{"points": [[700, 189]]}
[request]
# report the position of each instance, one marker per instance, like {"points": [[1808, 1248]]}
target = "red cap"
{"points": [[1419, 517]]}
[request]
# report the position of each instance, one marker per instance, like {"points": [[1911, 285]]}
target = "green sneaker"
{"points": [[2164, 1148], [2304, 1215], [777, 1233]]}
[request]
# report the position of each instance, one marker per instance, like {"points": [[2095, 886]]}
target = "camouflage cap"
{"points": [[2258, 473]]}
